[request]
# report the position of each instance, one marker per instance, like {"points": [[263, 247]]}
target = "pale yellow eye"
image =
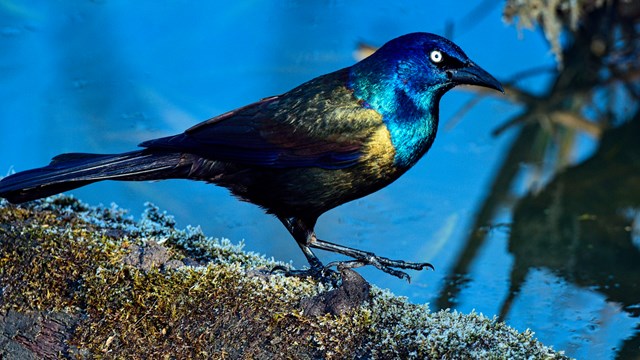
{"points": [[435, 56]]}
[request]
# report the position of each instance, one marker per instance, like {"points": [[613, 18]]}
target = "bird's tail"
{"points": [[70, 171]]}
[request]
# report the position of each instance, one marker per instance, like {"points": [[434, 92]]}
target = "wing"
{"points": [[318, 124]]}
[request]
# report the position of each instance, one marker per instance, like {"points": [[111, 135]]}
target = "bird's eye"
{"points": [[436, 56]]}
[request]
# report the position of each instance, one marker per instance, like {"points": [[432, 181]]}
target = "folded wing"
{"points": [[263, 135]]}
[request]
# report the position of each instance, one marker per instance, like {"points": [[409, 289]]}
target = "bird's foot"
{"points": [[387, 265]]}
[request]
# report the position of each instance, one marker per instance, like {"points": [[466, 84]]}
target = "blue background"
{"points": [[102, 76]]}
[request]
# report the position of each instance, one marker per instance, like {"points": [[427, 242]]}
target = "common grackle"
{"points": [[331, 140]]}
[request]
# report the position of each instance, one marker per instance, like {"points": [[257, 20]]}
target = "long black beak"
{"points": [[473, 74]]}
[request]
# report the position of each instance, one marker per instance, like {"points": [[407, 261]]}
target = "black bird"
{"points": [[331, 140]]}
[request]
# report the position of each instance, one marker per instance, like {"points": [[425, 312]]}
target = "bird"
{"points": [[336, 138]]}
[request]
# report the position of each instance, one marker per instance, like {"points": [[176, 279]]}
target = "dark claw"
{"points": [[387, 269], [362, 258], [383, 264]]}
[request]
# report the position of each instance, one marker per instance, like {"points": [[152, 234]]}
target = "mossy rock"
{"points": [[85, 282]]}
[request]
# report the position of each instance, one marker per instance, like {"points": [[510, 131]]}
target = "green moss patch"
{"points": [[144, 289]]}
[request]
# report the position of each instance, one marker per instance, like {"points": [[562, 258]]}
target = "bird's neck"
{"points": [[412, 118]]}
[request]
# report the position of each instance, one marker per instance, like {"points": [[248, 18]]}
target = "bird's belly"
{"points": [[294, 192], [312, 190]]}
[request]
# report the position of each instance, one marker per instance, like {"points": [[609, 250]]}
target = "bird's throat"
{"points": [[411, 118], [412, 126]]}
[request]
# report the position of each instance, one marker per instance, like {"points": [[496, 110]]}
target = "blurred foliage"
{"points": [[597, 47], [553, 16]]}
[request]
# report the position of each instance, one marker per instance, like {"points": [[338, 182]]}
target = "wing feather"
{"points": [[318, 124]]}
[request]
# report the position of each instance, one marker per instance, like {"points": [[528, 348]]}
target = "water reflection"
{"points": [[577, 231], [580, 226]]}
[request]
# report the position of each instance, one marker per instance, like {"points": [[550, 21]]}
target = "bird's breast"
{"points": [[379, 154]]}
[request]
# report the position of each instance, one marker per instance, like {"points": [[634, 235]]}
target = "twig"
{"points": [[575, 121]]}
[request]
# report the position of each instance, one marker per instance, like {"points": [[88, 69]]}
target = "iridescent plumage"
{"points": [[331, 140]]}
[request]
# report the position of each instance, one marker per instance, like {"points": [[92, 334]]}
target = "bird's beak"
{"points": [[473, 74]]}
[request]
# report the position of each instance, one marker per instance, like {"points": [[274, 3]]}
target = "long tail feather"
{"points": [[70, 171]]}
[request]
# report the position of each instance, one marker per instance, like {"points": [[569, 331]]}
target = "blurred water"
{"points": [[102, 76]]}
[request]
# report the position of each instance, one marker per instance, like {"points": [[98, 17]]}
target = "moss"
{"points": [[59, 255]]}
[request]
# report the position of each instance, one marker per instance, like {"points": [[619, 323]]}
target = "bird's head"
{"points": [[424, 65], [404, 81]]}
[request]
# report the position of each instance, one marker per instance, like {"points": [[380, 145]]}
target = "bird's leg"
{"points": [[363, 258], [302, 231]]}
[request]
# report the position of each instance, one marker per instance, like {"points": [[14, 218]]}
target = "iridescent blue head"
{"points": [[404, 81]]}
